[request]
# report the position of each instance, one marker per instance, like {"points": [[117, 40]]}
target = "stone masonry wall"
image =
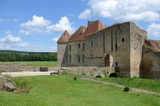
{"points": [[117, 44], [150, 64], [94, 50], [21, 67], [62, 54], [88, 71], [77, 51], [137, 39]]}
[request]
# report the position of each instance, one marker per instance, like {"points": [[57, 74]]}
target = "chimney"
{"points": [[89, 22]]}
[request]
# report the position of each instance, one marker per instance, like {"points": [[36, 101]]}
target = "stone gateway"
{"points": [[122, 46]]}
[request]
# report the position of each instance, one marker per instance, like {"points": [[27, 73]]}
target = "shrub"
{"points": [[75, 78], [126, 89]]}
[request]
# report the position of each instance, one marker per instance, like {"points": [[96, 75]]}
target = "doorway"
{"points": [[107, 60]]}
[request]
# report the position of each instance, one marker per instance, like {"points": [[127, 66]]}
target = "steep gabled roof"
{"points": [[153, 44], [64, 37], [78, 35], [93, 26]]}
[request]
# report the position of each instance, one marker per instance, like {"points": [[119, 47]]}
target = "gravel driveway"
{"points": [[20, 74]]}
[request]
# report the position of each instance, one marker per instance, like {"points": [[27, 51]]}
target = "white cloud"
{"points": [[11, 42], [85, 14], [63, 24], [41, 25], [10, 38], [8, 20], [55, 39], [128, 10], [154, 30]]}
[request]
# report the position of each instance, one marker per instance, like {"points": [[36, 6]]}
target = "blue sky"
{"points": [[35, 25]]}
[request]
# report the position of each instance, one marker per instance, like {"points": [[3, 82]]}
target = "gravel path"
{"points": [[121, 86], [21, 74]]}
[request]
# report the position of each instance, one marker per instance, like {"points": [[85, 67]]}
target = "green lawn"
{"points": [[147, 84], [36, 63], [64, 91]]}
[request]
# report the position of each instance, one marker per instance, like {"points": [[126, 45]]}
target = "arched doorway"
{"points": [[113, 75]]}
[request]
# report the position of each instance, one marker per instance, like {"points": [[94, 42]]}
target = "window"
{"points": [[83, 59], [116, 64], [122, 39], [83, 47], [92, 43], [69, 47], [78, 58], [70, 58], [79, 45], [118, 27]]}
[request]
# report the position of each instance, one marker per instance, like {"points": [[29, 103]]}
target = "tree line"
{"points": [[27, 56]]}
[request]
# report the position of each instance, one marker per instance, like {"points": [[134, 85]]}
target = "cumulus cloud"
{"points": [[11, 42], [130, 10], [63, 24], [85, 14], [154, 30], [40, 25]]}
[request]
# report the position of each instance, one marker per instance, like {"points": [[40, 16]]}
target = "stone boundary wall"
{"points": [[21, 67], [88, 71]]}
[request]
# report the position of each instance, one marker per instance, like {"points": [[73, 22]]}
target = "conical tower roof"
{"points": [[64, 37]]}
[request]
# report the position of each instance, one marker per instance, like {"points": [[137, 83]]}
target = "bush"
{"points": [[126, 89], [75, 78], [20, 83]]}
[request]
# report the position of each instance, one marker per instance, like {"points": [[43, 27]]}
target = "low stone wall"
{"points": [[21, 67], [88, 71]]}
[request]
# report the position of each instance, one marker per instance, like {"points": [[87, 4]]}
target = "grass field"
{"points": [[147, 84], [64, 91], [36, 63]]}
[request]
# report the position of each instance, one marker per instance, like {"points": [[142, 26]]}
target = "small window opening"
{"points": [[116, 64], [79, 45], [70, 47], [83, 59], [118, 27], [122, 39], [83, 46], [70, 58], [78, 58], [92, 43]]}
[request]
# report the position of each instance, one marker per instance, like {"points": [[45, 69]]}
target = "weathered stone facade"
{"points": [[118, 46]]}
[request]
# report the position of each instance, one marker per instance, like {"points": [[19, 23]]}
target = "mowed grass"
{"points": [[35, 63], [64, 91], [147, 84]]}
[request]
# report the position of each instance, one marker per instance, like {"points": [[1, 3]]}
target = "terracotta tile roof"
{"points": [[64, 37], [153, 44], [82, 32], [79, 34], [93, 26]]}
